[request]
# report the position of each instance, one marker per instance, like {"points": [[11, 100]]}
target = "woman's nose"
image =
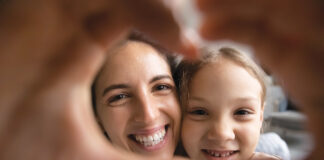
{"points": [[221, 130], [147, 110]]}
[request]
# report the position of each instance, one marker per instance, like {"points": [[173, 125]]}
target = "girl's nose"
{"points": [[221, 131]]}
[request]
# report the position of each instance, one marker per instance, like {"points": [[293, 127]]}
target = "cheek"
{"points": [[191, 133], [114, 123], [248, 135], [172, 109]]}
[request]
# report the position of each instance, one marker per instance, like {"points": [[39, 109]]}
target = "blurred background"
{"points": [[284, 132]]}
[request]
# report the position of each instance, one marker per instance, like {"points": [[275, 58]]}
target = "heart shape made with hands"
{"points": [[51, 51]]}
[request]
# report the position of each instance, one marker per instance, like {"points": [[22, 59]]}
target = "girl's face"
{"points": [[224, 114], [137, 103]]}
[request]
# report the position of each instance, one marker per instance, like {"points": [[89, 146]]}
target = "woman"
{"points": [[135, 98]]}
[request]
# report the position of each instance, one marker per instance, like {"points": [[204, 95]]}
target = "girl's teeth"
{"points": [[215, 154]]}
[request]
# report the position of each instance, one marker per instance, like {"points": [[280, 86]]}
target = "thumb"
{"points": [[157, 21]]}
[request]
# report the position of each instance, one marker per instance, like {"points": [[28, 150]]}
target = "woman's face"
{"points": [[223, 117], [137, 103]]}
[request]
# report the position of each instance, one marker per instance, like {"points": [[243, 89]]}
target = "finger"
{"points": [[209, 6], [254, 33], [290, 18], [246, 29], [151, 17], [219, 16], [274, 50], [158, 22], [76, 62], [232, 27], [107, 25]]}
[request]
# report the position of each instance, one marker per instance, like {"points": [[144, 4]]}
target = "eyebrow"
{"points": [[197, 98], [159, 77], [114, 86], [240, 99], [248, 99]]}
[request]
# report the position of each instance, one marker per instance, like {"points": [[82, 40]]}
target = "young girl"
{"points": [[222, 95]]}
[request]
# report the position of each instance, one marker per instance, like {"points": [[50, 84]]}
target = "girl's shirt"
{"points": [[264, 156]]}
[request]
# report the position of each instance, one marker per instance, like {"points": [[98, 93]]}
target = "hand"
{"points": [[50, 53], [287, 37]]}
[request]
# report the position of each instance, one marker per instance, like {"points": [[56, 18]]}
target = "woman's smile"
{"points": [[138, 106], [151, 139]]}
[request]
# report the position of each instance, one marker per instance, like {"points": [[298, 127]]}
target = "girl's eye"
{"points": [[242, 112], [117, 99], [198, 112]]}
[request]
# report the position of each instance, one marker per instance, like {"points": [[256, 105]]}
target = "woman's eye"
{"points": [[117, 99], [162, 87], [198, 112]]}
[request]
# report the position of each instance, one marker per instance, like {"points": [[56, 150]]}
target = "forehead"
{"points": [[224, 80], [133, 60]]}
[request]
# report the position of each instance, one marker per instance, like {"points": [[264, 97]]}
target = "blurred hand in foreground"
{"points": [[51, 50], [50, 53]]}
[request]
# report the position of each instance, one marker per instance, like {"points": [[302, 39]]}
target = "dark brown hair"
{"points": [[135, 35]]}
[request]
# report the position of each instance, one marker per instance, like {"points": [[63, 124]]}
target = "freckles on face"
{"points": [[136, 101], [224, 115]]}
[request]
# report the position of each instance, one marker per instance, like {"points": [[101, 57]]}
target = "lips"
{"points": [[150, 139], [219, 154]]}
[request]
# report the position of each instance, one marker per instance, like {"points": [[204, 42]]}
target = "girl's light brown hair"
{"points": [[187, 69]]}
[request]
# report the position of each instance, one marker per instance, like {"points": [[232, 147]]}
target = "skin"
{"points": [[224, 112], [145, 99], [287, 38], [43, 79], [48, 61]]}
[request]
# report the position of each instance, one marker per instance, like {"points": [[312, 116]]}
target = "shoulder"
{"points": [[264, 156]]}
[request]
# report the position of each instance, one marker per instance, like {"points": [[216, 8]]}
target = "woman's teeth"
{"points": [[219, 154], [152, 139]]}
